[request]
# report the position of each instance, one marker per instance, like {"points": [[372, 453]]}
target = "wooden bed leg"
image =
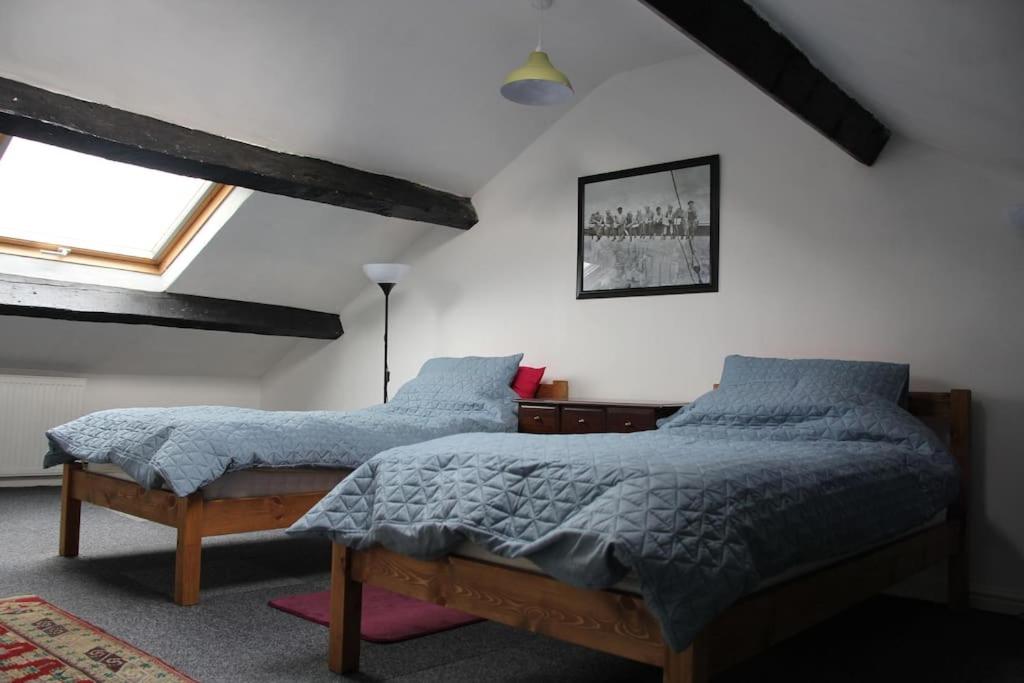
{"points": [[689, 666], [190, 549], [957, 580], [70, 514], [346, 613]]}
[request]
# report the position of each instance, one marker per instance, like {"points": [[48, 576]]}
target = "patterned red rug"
{"points": [[40, 642], [387, 617]]}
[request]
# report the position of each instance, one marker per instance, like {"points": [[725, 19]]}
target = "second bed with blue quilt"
{"points": [[782, 465]]}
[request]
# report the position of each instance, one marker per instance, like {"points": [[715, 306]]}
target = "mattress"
{"points": [[631, 584], [259, 481]]}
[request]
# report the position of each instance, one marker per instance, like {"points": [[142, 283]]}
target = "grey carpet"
{"points": [[122, 581]]}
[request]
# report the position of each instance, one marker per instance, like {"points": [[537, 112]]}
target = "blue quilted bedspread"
{"points": [[189, 447], [742, 485]]}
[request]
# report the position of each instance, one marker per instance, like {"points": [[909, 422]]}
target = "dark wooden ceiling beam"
{"points": [[735, 33], [35, 298], [30, 112]]}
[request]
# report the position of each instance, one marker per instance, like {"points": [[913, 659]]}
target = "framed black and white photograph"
{"points": [[649, 230]]}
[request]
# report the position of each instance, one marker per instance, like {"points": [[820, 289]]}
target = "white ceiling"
{"points": [[403, 87], [290, 252], [949, 73], [410, 88]]}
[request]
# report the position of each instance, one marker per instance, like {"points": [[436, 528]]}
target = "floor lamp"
{"points": [[386, 275]]}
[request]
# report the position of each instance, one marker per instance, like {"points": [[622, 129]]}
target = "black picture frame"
{"points": [[681, 239]]}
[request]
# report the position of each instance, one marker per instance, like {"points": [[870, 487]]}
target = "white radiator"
{"points": [[28, 407]]}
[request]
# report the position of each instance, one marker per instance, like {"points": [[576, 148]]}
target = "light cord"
{"points": [[540, 30]]}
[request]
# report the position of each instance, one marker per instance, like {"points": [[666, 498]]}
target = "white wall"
{"points": [[909, 261], [140, 391]]}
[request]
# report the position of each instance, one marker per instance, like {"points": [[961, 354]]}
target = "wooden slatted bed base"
{"points": [[619, 623], [193, 517]]}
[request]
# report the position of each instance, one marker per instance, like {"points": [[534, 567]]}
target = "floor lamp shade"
{"points": [[386, 275]]}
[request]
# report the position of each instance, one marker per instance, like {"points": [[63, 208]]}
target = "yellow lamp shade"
{"points": [[537, 82]]}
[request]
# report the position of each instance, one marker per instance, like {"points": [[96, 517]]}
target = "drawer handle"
{"points": [[581, 421], [628, 423], [536, 418]]}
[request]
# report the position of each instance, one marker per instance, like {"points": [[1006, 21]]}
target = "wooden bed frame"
{"points": [[619, 623], [193, 516]]}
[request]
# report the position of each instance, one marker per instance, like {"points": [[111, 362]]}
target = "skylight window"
{"points": [[59, 204]]}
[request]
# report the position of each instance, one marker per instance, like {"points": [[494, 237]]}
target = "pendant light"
{"points": [[537, 82]]}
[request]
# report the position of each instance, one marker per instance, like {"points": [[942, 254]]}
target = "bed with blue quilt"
{"points": [[638, 544], [212, 470], [190, 447]]}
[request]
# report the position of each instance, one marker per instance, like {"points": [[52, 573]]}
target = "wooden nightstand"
{"points": [[549, 416]]}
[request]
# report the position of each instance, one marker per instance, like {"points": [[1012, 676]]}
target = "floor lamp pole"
{"points": [[386, 275], [386, 287]]}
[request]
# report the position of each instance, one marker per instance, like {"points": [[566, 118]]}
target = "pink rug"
{"points": [[387, 617]]}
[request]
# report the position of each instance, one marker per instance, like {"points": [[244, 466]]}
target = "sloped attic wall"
{"points": [[910, 260], [137, 365], [269, 249]]}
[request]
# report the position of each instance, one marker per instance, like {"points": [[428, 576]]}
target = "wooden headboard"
{"points": [[949, 415], [557, 389]]}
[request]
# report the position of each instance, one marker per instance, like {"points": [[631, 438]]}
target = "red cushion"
{"points": [[527, 381]]}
